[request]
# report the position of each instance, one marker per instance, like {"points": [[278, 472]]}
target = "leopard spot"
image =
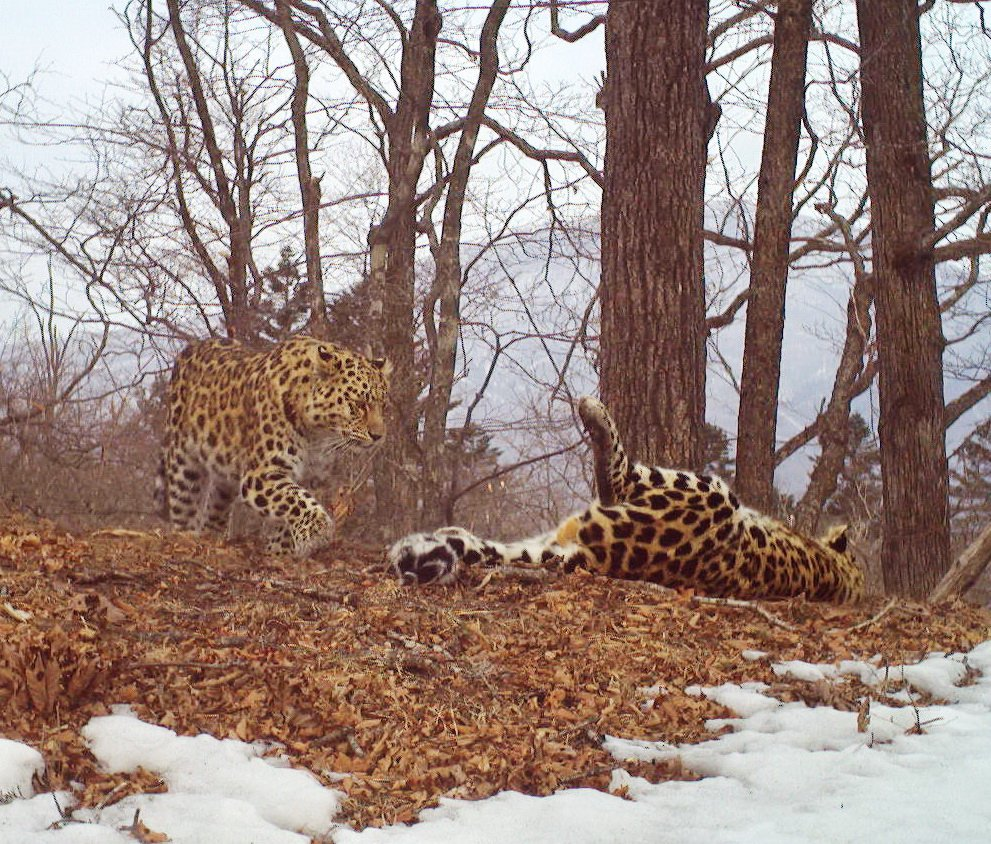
{"points": [[758, 536], [623, 530], [638, 557], [702, 527], [722, 514], [592, 532], [617, 554]]}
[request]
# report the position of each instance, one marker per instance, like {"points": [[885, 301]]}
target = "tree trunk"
{"points": [[915, 544], [834, 421], [232, 197], [438, 481], [652, 291], [757, 426], [392, 248], [317, 324], [969, 566]]}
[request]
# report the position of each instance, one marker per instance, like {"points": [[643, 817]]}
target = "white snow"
{"points": [[206, 767], [18, 764], [783, 772]]}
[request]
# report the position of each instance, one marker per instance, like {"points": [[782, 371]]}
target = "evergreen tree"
{"points": [[970, 485], [283, 306], [716, 456], [857, 499]]}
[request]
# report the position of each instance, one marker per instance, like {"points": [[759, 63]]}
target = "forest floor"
{"points": [[397, 696]]}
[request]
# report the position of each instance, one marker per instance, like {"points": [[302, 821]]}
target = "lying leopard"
{"points": [[675, 528], [244, 424]]}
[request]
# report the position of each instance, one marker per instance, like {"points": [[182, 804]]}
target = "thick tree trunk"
{"points": [[392, 248], [392, 257], [757, 425], [652, 290], [915, 545]]}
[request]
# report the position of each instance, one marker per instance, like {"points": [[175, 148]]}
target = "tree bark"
{"points": [[915, 544], [317, 324], [447, 282], [833, 429], [760, 379], [964, 572], [652, 291], [232, 196], [392, 255]]}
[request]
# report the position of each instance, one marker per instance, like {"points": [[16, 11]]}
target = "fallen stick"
{"points": [[738, 603]]}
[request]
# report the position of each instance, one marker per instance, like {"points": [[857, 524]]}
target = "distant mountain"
{"points": [[552, 293]]}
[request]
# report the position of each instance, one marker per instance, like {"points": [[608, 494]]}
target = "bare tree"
{"points": [[915, 544], [309, 185], [652, 292], [757, 427]]}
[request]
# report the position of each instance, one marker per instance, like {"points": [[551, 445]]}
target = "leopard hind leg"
{"points": [[185, 479]]}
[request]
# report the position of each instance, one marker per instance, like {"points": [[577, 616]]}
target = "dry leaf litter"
{"points": [[396, 696]]}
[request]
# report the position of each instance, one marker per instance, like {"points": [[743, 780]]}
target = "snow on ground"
{"points": [[783, 772]]}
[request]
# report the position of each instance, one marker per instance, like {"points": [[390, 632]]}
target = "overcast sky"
{"points": [[75, 42]]}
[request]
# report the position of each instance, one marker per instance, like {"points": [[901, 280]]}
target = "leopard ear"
{"points": [[383, 364], [329, 354], [837, 538]]}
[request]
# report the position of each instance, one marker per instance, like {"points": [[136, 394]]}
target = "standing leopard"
{"points": [[242, 423], [676, 528]]}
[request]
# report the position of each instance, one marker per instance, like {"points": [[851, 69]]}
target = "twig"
{"points": [[209, 666], [737, 603], [650, 586], [125, 533], [584, 775], [522, 573], [874, 618], [111, 794]]}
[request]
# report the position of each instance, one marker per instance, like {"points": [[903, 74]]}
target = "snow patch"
{"points": [[228, 773], [18, 765]]}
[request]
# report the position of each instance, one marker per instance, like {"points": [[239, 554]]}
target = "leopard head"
{"points": [[340, 396]]}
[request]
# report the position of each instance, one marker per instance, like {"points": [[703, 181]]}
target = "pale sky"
{"points": [[76, 43]]}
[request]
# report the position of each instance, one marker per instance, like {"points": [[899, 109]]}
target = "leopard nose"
{"points": [[375, 436]]}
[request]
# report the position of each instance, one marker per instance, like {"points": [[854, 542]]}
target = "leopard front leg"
{"points": [[306, 525]]}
